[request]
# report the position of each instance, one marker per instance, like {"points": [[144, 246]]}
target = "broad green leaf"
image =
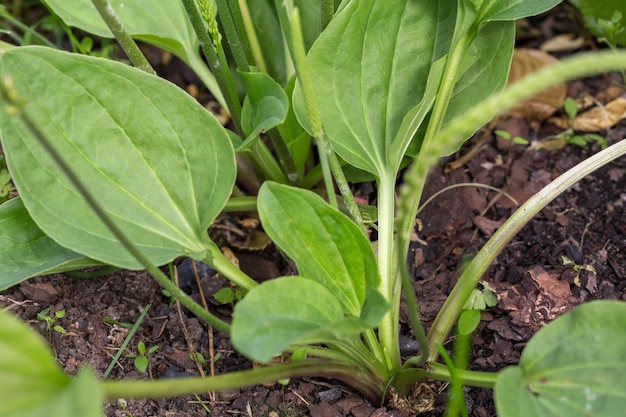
{"points": [[158, 22], [32, 383], [285, 312], [414, 118], [26, 251], [265, 105], [486, 69], [573, 367], [158, 162], [369, 71], [510, 10], [162, 23], [325, 244]]}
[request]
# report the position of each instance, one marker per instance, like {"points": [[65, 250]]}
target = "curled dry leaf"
{"points": [[544, 104], [563, 42], [597, 119]]}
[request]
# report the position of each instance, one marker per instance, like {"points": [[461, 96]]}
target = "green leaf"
{"points": [[325, 244], [414, 118], [288, 311], [33, 384], [160, 23], [369, 72], [468, 321], [158, 162], [374, 94], [267, 30], [141, 363], [510, 10], [26, 251], [374, 308], [225, 296], [485, 68], [265, 105], [605, 18], [573, 367]]}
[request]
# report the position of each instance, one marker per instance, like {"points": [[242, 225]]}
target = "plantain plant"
{"points": [[117, 166]]}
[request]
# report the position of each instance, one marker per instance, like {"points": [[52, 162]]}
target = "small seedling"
{"points": [[577, 267], [142, 361], [610, 30], [124, 407], [481, 299], [228, 295], [517, 139], [197, 356], [571, 109], [569, 136], [44, 317]]}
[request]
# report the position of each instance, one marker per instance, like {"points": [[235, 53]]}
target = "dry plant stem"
{"points": [[156, 273], [474, 271], [123, 38]]}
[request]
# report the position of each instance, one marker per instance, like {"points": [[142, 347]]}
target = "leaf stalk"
{"points": [[127, 43]]}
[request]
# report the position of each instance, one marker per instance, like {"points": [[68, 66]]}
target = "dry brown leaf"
{"points": [[544, 104], [555, 296], [601, 117], [563, 42], [256, 240], [230, 255], [598, 119]]}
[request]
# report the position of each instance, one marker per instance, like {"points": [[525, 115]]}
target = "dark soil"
{"points": [[586, 224]]}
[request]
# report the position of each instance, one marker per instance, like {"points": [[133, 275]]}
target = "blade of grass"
{"points": [[129, 336]]}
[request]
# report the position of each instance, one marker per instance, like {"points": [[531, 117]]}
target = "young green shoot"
{"points": [[49, 321], [142, 357]]}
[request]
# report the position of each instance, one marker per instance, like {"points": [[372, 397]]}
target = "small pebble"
{"points": [[408, 346], [330, 395]]}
